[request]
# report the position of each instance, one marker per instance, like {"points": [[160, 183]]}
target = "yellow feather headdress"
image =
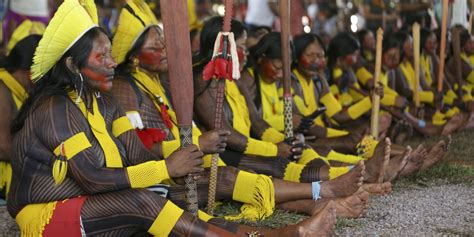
{"points": [[25, 29], [70, 22], [135, 18]]}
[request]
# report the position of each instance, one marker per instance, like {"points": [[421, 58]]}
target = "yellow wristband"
{"points": [[360, 108], [147, 174], [272, 135], [261, 148], [426, 96]]}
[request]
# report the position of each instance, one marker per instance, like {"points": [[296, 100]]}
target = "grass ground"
{"points": [[456, 167]]}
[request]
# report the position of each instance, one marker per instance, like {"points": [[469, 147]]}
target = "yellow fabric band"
{"points": [[34, 217], [19, 93], [5, 177], [335, 172], [237, 103], [272, 105], [308, 155], [360, 108], [260, 148], [470, 77], [333, 107], [451, 112], [207, 159], [439, 118], [147, 174], [204, 216], [308, 88], [388, 99], [331, 132], [293, 172], [258, 195], [73, 145], [121, 125], [366, 147], [425, 62], [99, 129], [166, 220], [350, 159], [426, 96], [363, 75], [272, 135]]}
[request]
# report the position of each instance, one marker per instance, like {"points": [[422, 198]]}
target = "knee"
{"points": [[148, 201]]}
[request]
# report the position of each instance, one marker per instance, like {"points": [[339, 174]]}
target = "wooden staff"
{"points": [[285, 49], [471, 15], [374, 128], [456, 42], [416, 61], [178, 50], [442, 49], [226, 55]]}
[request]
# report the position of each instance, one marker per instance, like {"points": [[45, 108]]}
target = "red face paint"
{"points": [[307, 65], [269, 70], [350, 59], [242, 55], [101, 78], [150, 58]]}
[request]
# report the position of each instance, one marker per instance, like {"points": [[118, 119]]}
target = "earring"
{"points": [[79, 94], [136, 64]]}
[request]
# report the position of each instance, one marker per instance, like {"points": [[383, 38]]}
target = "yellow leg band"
{"points": [[439, 118], [308, 155], [166, 220], [258, 195], [331, 103], [272, 135], [204, 216], [147, 174], [451, 112], [350, 159], [293, 172], [260, 148], [360, 108], [335, 172]]}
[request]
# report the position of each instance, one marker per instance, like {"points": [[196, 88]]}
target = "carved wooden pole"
{"points": [[374, 128], [416, 61], [442, 49], [285, 49]]}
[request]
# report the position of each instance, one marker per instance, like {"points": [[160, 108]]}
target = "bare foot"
{"points": [[353, 206], [470, 121], [453, 124], [344, 185], [320, 225], [396, 165], [435, 154], [415, 161], [375, 167], [380, 189]]}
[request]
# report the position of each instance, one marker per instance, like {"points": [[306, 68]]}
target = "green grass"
{"points": [[456, 167]]}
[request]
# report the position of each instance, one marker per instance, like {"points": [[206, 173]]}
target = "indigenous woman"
{"points": [[15, 83], [83, 172]]}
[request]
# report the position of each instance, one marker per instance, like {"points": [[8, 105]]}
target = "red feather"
{"points": [[150, 136]]}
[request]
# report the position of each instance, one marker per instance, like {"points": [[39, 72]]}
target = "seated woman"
{"points": [[84, 170], [139, 91], [14, 84]]}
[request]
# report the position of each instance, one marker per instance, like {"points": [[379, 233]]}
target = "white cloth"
{"points": [[259, 13], [38, 8], [459, 14]]}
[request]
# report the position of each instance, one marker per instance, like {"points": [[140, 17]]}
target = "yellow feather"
{"points": [[59, 171]]}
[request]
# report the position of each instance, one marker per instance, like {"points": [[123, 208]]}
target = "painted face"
{"points": [[369, 41], [242, 51], [408, 47], [350, 59], [272, 69], [469, 46], [313, 59], [99, 70], [391, 58], [431, 44], [152, 54]]}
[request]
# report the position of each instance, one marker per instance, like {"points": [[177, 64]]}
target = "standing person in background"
{"points": [[374, 12], [261, 13]]}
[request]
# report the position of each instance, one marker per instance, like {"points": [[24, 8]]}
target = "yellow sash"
{"points": [[99, 129], [18, 92], [426, 67], [272, 106], [238, 105], [308, 91], [470, 61]]}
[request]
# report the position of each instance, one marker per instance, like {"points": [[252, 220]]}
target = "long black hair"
{"points": [[21, 56], [401, 37], [60, 79], [341, 45], [302, 41], [424, 34]]}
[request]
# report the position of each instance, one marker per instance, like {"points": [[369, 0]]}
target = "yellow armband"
{"points": [[449, 97], [451, 112], [388, 99], [332, 106], [147, 174], [363, 75], [360, 108], [66, 151], [331, 132], [272, 135], [121, 125], [426, 96], [260, 148], [166, 220]]}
